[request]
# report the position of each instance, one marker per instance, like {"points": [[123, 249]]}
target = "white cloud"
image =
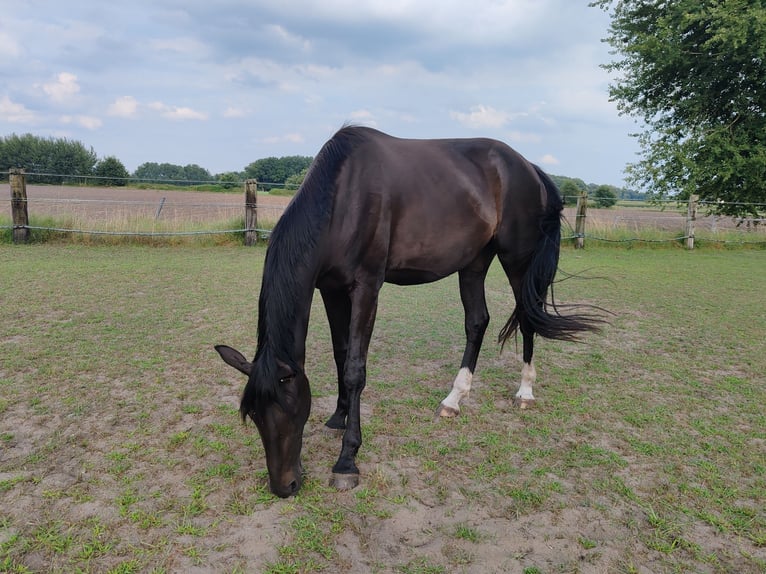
{"points": [[177, 113], [124, 107], [88, 122], [285, 37], [63, 88], [14, 113], [548, 159], [482, 117]]}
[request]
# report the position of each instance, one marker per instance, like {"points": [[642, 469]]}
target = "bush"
{"points": [[604, 196]]}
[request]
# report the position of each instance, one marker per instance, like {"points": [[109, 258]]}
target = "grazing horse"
{"points": [[375, 209]]}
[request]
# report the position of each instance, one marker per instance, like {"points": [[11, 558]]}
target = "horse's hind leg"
{"points": [[476, 321], [524, 398]]}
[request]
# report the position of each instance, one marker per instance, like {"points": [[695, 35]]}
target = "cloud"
{"points": [[88, 122], [124, 107], [548, 159], [482, 117], [14, 113], [177, 113], [63, 89]]}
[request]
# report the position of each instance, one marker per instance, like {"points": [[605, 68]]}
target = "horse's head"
{"points": [[280, 416]]}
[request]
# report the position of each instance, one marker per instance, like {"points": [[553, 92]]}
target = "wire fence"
{"points": [[662, 221], [90, 210]]}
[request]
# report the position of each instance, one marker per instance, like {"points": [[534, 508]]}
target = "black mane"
{"points": [[291, 261]]}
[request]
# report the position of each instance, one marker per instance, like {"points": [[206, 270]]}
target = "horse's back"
{"points": [[425, 209]]}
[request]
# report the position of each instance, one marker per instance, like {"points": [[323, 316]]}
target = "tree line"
{"points": [[59, 160]]}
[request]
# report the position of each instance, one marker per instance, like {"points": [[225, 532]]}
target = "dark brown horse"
{"points": [[375, 209]]}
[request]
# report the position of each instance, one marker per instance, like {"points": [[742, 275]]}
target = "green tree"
{"points": [[604, 196], [694, 72], [196, 174], [276, 170], [111, 172], [229, 180], [570, 191], [55, 160], [152, 171], [293, 182]]}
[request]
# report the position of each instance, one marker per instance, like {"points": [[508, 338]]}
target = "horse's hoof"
{"points": [[344, 481], [446, 412], [523, 404]]}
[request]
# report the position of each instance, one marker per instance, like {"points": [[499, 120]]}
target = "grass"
{"points": [[122, 450]]}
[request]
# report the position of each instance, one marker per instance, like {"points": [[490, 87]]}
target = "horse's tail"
{"points": [[543, 316]]}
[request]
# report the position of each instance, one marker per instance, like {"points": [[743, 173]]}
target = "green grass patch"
{"points": [[123, 451]]}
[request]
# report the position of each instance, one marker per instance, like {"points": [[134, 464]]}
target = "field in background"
{"points": [[120, 215], [121, 449]]}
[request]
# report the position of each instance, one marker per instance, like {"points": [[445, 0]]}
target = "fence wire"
{"points": [[663, 218]]}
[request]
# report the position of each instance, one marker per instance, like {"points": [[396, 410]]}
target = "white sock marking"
{"points": [[460, 389], [528, 376]]}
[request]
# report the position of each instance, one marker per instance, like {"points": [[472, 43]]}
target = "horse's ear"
{"points": [[234, 358]]}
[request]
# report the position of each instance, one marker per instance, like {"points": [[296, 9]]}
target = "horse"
{"points": [[373, 209]]}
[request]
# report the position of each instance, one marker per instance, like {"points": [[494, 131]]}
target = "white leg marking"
{"points": [[460, 389], [528, 376]]}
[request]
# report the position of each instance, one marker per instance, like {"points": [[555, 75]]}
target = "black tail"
{"points": [[540, 315]]}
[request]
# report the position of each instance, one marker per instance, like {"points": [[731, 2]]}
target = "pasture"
{"points": [[121, 448]]}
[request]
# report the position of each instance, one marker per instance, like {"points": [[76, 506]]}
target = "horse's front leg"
{"points": [[338, 307], [364, 300]]}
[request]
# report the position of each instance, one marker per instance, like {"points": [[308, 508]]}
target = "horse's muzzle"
{"points": [[287, 483]]}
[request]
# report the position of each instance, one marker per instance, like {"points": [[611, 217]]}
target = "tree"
{"points": [[570, 191], [152, 171], [196, 174], [604, 196], [112, 171], [293, 182], [229, 180], [276, 170], [52, 158], [694, 72]]}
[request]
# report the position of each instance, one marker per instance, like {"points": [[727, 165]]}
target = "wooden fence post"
{"points": [[691, 217], [19, 211], [582, 208], [251, 212]]}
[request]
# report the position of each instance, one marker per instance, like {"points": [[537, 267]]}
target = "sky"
{"points": [[223, 83]]}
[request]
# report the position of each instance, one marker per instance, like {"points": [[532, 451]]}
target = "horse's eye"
{"points": [[284, 380]]}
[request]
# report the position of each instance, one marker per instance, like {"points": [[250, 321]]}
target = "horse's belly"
{"points": [[411, 276], [415, 261]]}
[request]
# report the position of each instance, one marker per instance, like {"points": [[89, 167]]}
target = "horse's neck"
{"points": [[285, 309]]}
